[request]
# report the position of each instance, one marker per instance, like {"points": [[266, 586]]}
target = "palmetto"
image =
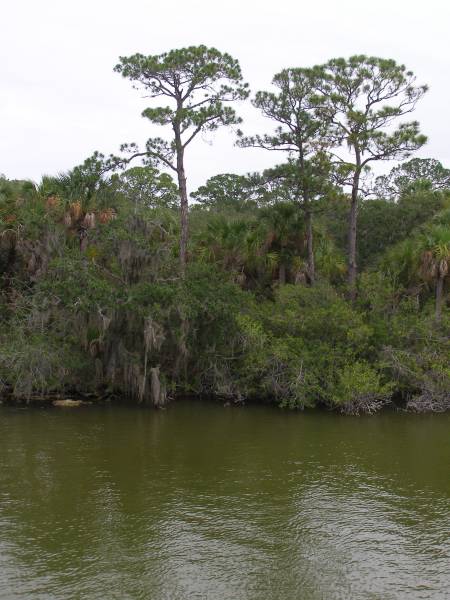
{"points": [[435, 261]]}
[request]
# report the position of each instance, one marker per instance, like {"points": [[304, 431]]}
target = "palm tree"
{"points": [[226, 243], [330, 261], [435, 262], [401, 263], [285, 235]]}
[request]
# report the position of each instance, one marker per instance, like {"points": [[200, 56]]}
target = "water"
{"points": [[212, 503]]}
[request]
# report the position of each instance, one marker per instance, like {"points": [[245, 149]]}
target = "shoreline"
{"points": [[61, 401]]}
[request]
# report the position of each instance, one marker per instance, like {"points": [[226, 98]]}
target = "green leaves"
{"points": [[146, 187], [364, 96], [183, 70], [294, 108], [199, 81], [159, 116], [415, 175], [227, 191]]}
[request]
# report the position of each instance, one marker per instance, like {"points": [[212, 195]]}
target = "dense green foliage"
{"points": [[93, 300]]}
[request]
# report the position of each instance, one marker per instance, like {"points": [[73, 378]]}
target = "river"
{"points": [[205, 502]]}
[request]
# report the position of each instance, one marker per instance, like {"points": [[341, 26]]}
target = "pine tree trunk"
{"points": [[310, 247], [184, 208], [352, 228], [439, 296], [282, 274], [184, 205]]}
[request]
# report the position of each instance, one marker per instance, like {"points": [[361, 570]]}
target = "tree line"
{"points": [[331, 121], [307, 284]]}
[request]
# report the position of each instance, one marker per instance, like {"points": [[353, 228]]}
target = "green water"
{"points": [[205, 502]]}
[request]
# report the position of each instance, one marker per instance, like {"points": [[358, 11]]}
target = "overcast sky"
{"points": [[60, 99]]}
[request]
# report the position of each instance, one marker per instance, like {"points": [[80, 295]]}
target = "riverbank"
{"points": [[92, 400]]}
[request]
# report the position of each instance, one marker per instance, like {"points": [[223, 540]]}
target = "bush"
{"points": [[359, 390]]}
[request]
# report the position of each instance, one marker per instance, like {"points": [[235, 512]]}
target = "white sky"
{"points": [[60, 100]]}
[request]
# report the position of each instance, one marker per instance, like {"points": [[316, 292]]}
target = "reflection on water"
{"points": [[203, 502]]}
